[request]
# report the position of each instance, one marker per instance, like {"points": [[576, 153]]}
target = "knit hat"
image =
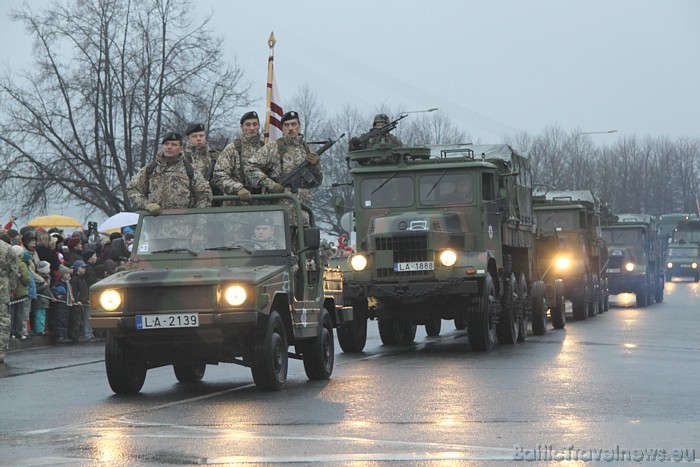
{"points": [[73, 242], [87, 254], [63, 270], [18, 250], [78, 264], [43, 267]]}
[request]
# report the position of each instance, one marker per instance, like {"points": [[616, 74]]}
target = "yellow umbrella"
{"points": [[54, 221]]}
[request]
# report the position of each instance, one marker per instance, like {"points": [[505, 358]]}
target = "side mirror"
{"points": [[118, 249], [312, 238]]}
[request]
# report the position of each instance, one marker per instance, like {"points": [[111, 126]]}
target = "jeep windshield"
{"points": [[683, 252], [221, 231]]}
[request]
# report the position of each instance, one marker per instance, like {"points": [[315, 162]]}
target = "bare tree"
{"points": [[80, 125]]}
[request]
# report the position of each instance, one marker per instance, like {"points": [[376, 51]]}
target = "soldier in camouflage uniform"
{"points": [[380, 120], [277, 158], [197, 152], [169, 182], [264, 234], [229, 173], [8, 272]]}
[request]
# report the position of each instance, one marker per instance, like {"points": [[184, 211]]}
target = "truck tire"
{"points": [[433, 327], [539, 311], [507, 328], [523, 308], [594, 308], [558, 311], [580, 301], [659, 295], [270, 356], [352, 336], [190, 373], [319, 352], [126, 370], [641, 296], [606, 295], [480, 327], [393, 331]]}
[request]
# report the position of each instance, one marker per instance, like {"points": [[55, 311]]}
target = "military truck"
{"points": [[577, 255], [635, 263], [442, 236], [667, 224], [202, 288], [683, 260]]}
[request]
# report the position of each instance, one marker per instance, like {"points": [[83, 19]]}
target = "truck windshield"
{"points": [[622, 236], [549, 221], [445, 189], [391, 191], [690, 236], [194, 232], [683, 252]]}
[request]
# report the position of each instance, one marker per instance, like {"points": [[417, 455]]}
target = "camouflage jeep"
{"points": [[202, 287]]}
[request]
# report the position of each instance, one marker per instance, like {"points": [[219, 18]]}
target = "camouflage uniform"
{"points": [[169, 186], [387, 139], [201, 158], [230, 171], [8, 270], [275, 160]]}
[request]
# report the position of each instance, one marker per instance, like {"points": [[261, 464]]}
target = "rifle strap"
{"points": [[151, 167]]}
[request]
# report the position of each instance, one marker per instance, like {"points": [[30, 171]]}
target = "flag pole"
{"points": [[271, 43]]}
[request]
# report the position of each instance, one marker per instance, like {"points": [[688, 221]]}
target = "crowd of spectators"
{"points": [[55, 272]]}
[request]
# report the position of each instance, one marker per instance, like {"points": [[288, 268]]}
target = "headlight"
{"points": [[563, 262], [694, 265], [629, 267], [669, 265], [358, 263], [235, 295], [110, 300], [448, 258]]}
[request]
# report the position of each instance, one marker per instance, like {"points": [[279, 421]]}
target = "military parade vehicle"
{"points": [[666, 224], [570, 250], [683, 257], [635, 264], [441, 236], [221, 284]]}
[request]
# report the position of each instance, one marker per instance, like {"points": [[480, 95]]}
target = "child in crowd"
{"points": [[81, 331], [43, 300], [59, 307], [19, 303]]}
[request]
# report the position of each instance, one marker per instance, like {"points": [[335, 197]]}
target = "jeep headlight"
{"points": [[694, 265], [235, 295], [563, 262], [358, 263], [110, 300], [629, 267], [669, 265], [448, 258]]}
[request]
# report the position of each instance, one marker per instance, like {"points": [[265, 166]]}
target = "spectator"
{"points": [[14, 236], [107, 250], [81, 331], [59, 307], [75, 250], [19, 304], [46, 250], [93, 270], [43, 300]]}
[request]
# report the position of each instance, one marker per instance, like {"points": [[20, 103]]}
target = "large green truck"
{"points": [[202, 287], [635, 262], [570, 248], [683, 258], [441, 236]]}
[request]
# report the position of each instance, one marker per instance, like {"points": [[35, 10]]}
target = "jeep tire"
{"points": [[190, 373], [126, 370], [319, 352], [270, 356], [352, 335]]}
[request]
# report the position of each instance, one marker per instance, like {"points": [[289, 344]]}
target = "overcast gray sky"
{"points": [[495, 67]]}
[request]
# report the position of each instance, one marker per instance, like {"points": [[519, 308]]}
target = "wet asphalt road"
{"points": [[627, 379]]}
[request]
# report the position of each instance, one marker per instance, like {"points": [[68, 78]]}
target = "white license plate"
{"points": [[685, 265], [179, 320], [414, 266], [613, 270]]}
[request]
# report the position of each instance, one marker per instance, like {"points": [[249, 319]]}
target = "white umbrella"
{"points": [[119, 220]]}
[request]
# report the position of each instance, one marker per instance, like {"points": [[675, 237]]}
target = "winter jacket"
{"points": [[22, 289]]}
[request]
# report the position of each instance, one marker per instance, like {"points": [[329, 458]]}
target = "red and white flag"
{"points": [[274, 112]]}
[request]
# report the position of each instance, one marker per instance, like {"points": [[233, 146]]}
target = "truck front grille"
{"points": [[167, 299], [406, 247]]}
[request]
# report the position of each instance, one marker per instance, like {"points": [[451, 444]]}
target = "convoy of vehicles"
{"points": [[635, 263], [571, 254], [202, 289]]}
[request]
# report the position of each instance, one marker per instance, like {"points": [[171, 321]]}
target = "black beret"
{"points": [[172, 136], [249, 116], [264, 220], [289, 116], [194, 128]]}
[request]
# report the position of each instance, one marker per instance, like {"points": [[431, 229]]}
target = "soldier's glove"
{"points": [[153, 208], [276, 188], [245, 195], [312, 158]]}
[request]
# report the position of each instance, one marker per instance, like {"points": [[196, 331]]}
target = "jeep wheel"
{"points": [[507, 328], [270, 358], [352, 336], [126, 370], [522, 308], [539, 310], [480, 327], [394, 331], [558, 311], [190, 373], [433, 327], [580, 302], [319, 352]]}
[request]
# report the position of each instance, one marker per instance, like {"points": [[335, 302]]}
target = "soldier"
{"points": [[197, 152], [229, 173], [277, 158], [264, 234], [8, 273], [169, 181], [380, 120]]}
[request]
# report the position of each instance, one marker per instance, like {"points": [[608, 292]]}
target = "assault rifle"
{"points": [[301, 173], [358, 142]]}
